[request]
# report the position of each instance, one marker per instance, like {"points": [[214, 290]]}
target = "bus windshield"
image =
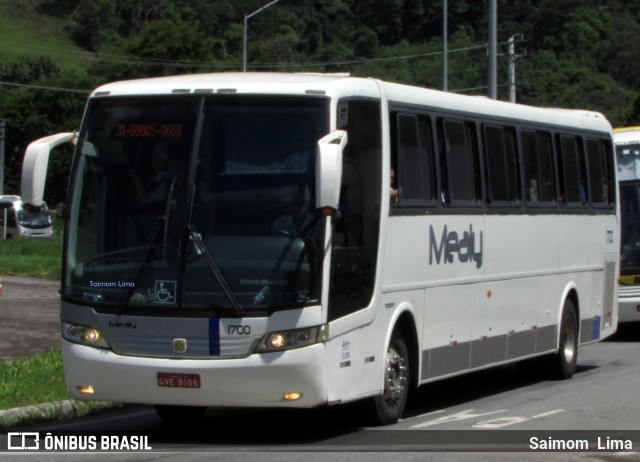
{"points": [[204, 202], [630, 227], [628, 159], [34, 220]]}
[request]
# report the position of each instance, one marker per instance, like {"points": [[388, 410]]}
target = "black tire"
{"points": [[562, 365], [389, 406], [183, 416]]}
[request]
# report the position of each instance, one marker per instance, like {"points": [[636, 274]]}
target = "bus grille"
{"points": [[608, 298]]}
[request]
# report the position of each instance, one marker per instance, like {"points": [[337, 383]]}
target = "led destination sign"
{"points": [[148, 130]]}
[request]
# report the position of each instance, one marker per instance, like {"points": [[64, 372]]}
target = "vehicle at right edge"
{"points": [[627, 143]]}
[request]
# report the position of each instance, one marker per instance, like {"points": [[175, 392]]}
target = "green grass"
{"points": [[33, 380], [38, 258], [39, 380], [25, 32]]}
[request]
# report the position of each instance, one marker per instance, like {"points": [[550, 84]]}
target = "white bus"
{"points": [[16, 222], [232, 240], [627, 142]]}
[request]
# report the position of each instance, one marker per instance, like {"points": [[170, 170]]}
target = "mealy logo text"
{"points": [[467, 247]]}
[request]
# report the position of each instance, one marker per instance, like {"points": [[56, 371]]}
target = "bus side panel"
{"points": [[476, 325], [511, 307], [351, 365], [355, 361], [448, 330]]}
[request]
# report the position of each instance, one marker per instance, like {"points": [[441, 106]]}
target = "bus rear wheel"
{"points": [[389, 406], [563, 363]]}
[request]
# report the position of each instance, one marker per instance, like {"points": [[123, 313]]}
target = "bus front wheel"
{"points": [[389, 406]]}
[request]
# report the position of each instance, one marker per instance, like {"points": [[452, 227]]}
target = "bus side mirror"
{"points": [[34, 167], [329, 169]]}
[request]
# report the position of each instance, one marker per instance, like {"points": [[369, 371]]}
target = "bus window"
{"points": [[599, 177], [502, 164], [458, 163], [356, 228], [628, 174], [572, 182], [537, 158], [414, 159], [10, 214], [630, 228]]}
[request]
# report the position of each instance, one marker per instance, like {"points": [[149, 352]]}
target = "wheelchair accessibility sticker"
{"points": [[165, 292]]}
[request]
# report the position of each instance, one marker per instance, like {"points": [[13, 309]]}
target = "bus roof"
{"points": [[338, 85], [233, 82], [481, 105], [11, 199], [627, 135]]}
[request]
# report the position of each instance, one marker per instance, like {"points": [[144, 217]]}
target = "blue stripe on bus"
{"points": [[214, 337], [595, 328]]}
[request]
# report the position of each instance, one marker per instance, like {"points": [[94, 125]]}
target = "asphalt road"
{"points": [[602, 397], [484, 411], [29, 316], [445, 421]]}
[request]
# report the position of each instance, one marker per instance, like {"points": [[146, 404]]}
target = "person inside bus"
{"points": [[298, 220], [393, 190], [171, 180], [167, 196]]}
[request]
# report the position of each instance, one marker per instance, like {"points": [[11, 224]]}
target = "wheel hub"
{"points": [[395, 376]]}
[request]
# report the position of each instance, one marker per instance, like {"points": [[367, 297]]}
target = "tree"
{"points": [[581, 53], [96, 23], [632, 117], [161, 48], [135, 14], [27, 69], [29, 118]]}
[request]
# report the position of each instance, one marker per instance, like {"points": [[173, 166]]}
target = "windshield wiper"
{"points": [[149, 248], [202, 250]]}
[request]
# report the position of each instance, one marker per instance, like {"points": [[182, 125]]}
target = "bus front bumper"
{"points": [[629, 310], [628, 303], [260, 380]]}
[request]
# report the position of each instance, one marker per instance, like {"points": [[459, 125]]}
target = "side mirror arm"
{"points": [[34, 167], [329, 155]]}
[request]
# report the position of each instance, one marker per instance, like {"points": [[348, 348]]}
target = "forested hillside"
{"points": [[579, 53]]}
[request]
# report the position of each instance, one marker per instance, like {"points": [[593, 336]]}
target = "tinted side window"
{"points": [[537, 158], [572, 182], [502, 164], [630, 227], [600, 178], [11, 216], [415, 178], [356, 228], [458, 163]]}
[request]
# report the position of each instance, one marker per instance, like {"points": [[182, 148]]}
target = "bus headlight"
{"points": [[84, 335], [291, 339]]}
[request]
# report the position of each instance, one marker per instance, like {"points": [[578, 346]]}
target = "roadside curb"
{"points": [[53, 411], [58, 409]]}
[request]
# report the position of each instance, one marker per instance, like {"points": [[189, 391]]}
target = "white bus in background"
{"points": [[231, 240], [16, 222], [627, 142]]}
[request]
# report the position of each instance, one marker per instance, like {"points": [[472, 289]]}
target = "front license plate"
{"points": [[171, 379]]}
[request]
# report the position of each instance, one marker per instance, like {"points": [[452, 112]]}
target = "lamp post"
{"points": [[244, 39], [2, 136], [445, 47], [493, 26]]}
